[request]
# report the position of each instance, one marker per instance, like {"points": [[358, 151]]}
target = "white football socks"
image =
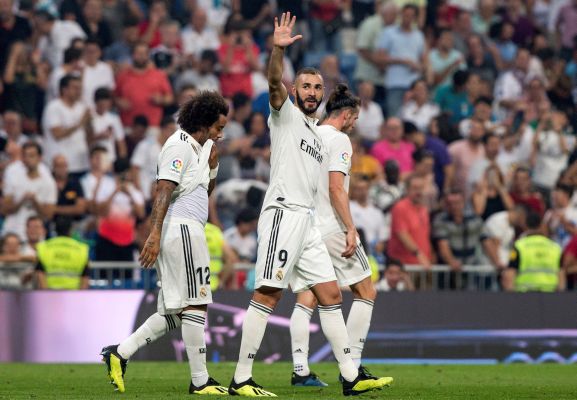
{"points": [[253, 329], [358, 325], [193, 337], [299, 329], [333, 325], [153, 328]]}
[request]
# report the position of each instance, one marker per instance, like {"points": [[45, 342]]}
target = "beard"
{"points": [[139, 64], [304, 108]]}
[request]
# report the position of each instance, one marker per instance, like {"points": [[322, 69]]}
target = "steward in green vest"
{"points": [[535, 262], [214, 241], [62, 261]]}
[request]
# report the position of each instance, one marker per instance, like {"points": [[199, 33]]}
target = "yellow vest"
{"points": [[214, 241], [64, 260], [540, 258]]}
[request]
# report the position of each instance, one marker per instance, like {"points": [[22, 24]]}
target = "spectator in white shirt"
{"points": [[73, 64], [395, 278], [242, 236], [198, 36], [32, 193], [66, 123], [97, 183], [145, 156], [418, 109], [203, 77], [96, 74], [107, 128], [509, 86], [370, 115], [498, 235], [368, 217], [56, 36]]}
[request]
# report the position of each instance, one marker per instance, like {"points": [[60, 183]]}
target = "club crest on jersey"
{"points": [[176, 165], [279, 276]]}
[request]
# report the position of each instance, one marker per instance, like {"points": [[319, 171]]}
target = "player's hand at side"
{"points": [[283, 30], [351, 243], [150, 250], [213, 158]]}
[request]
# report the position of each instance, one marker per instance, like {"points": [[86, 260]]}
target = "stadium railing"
{"points": [[129, 275]]}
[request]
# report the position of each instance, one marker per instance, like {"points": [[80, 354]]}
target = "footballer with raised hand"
{"points": [[176, 245], [290, 248], [335, 223]]}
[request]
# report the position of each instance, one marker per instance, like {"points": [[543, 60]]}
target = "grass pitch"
{"points": [[147, 380]]}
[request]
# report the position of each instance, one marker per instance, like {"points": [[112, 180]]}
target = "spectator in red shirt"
{"points": [[142, 89], [522, 191], [410, 227], [150, 29], [239, 58], [570, 263], [393, 147]]}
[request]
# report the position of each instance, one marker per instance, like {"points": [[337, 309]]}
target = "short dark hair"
{"points": [[246, 215], [201, 111], [166, 120], [533, 219], [460, 77], [209, 55], [239, 100], [33, 218], [92, 41], [45, 14], [141, 120], [341, 98], [62, 225], [32, 144], [65, 81], [307, 71], [484, 100], [394, 262], [562, 187], [411, 6], [98, 149], [420, 154], [102, 93], [72, 54], [489, 136], [410, 128]]}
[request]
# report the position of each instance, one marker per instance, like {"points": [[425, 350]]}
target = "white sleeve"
{"points": [[491, 228], [283, 115], [138, 159], [173, 160], [340, 153], [51, 117], [51, 194], [117, 128]]}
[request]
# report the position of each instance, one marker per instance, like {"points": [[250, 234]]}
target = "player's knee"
{"points": [[267, 296], [330, 297], [307, 299], [364, 290]]}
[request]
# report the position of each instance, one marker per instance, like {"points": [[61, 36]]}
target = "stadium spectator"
{"points": [[106, 126], [97, 182], [535, 262], [144, 158], [464, 153], [457, 233], [94, 25], [254, 149], [490, 195], [491, 145], [384, 193], [370, 115], [238, 56], [395, 278], [561, 220], [482, 112], [393, 147], [198, 36], [62, 260], [363, 164], [119, 54], [523, 26], [11, 252], [443, 168], [14, 28], [31, 193], [404, 51], [550, 151], [25, 79], [142, 89], [35, 233], [410, 227], [71, 201], [369, 68], [325, 21], [570, 263], [330, 71], [458, 98], [481, 59], [149, 30], [118, 206], [368, 218], [73, 64], [67, 126], [498, 236], [462, 30], [203, 77], [566, 26], [509, 85], [137, 133], [95, 73], [167, 56], [424, 164], [522, 191], [444, 60], [222, 259], [12, 127], [242, 236], [234, 134], [55, 36], [484, 16], [418, 108]]}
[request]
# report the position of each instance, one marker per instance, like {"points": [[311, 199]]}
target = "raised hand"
{"points": [[283, 30]]}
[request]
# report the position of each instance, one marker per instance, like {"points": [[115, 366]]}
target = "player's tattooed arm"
{"points": [[151, 248], [281, 39]]}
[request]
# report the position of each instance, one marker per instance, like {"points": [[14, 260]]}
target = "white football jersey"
{"points": [[338, 159], [184, 161], [297, 152]]}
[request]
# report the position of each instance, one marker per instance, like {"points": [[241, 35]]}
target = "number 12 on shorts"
{"points": [[203, 275]]}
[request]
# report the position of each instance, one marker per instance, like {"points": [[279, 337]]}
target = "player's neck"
{"points": [[334, 122]]}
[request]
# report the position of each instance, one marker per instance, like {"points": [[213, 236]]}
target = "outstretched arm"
{"points": [[281, 39]]}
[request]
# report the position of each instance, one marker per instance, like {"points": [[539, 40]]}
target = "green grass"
{"points": [[146, 380]]}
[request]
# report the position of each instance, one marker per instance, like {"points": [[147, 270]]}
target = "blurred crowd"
{"points": [[466, 125]]}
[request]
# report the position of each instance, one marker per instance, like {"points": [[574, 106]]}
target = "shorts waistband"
{"points": [[299, 210], [182, 221]]}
